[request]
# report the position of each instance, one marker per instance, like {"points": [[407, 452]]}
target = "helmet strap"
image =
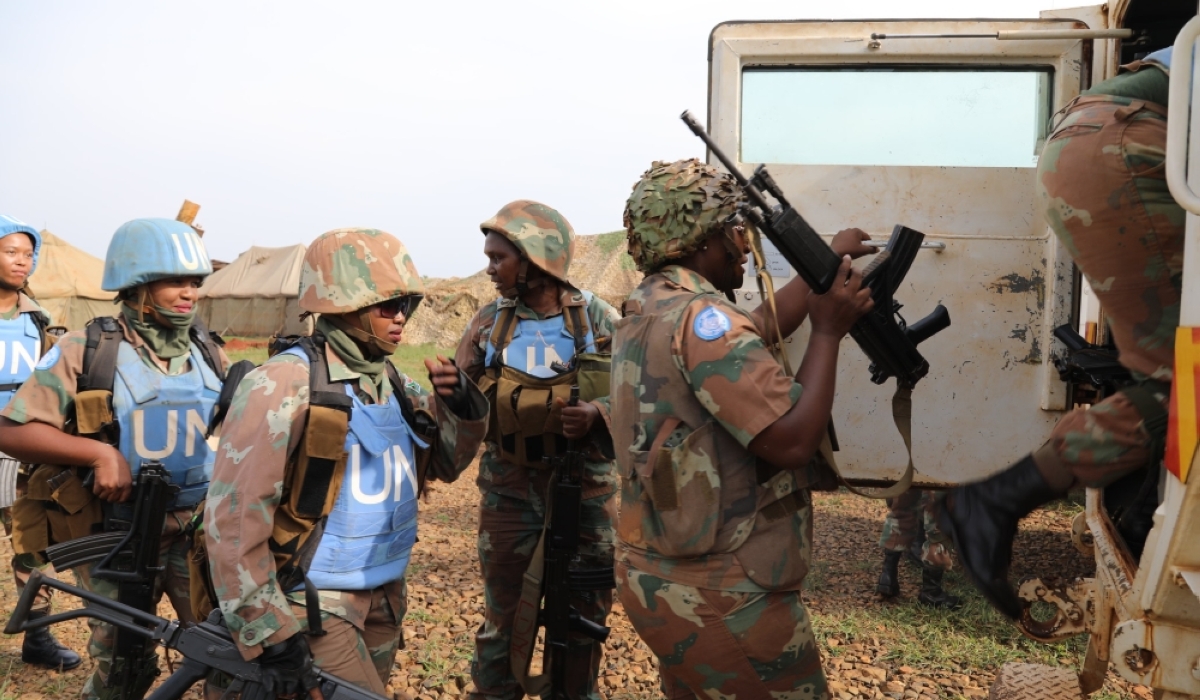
{"points": [[374, 344]]}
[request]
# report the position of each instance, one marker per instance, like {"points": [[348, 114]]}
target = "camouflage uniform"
{"points": [[909, 514], [23, 564], [714, 544], [1103, 187], [513, 498], [48, 397], [256, 454]]}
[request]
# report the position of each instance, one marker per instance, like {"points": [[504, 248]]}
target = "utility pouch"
{"points": [[526, 424], [593, 372], [322, 463], [679, 475], [93, 412]]}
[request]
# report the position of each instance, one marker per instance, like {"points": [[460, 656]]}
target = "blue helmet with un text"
{"points": [[145, 250], [10, 225]]}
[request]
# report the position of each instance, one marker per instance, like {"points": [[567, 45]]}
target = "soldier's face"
{"points": [[737, 250], [504, 261], [16, 260], [387, 322], [176, 294]]}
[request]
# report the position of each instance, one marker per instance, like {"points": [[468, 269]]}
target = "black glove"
{"points": [[287, 669]]}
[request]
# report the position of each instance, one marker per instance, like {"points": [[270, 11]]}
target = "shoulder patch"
{"points": [[711, 323], [411, 384], [49, 358]]}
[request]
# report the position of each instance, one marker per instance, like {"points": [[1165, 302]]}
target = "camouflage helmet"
{"points": [[348, 269], [542, 235], [674, 207]]}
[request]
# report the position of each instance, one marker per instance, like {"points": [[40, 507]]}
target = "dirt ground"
{"points": [[446, 605]]}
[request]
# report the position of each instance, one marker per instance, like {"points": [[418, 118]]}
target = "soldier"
{"points": [[526, 345], [306, 502], [715, 445], [911, 527], [162, 374], [23, 336], [1103, 189]]}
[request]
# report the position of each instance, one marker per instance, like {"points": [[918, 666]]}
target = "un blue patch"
{"points": [[711, 323], [49, 358]]}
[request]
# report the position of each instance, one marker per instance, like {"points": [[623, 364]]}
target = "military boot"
{"points": [[40, 648], [932, 593], [889, 578], [982, 519]]}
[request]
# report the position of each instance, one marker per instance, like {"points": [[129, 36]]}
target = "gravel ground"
{"points": [[446, 606]]}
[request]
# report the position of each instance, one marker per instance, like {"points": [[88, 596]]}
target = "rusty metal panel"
{"points": [[991, 395]]}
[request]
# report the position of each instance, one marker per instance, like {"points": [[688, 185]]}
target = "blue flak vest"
{"points": [[537, 343], [20, 349], [370, 532], [164, 418]]}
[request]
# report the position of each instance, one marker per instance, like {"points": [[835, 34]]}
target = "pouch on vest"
{"points": [[680, 478], [761, 556], [526, 424], [593, 372]]}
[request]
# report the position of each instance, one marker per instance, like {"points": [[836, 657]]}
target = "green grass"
{"points": [[409, 359]]}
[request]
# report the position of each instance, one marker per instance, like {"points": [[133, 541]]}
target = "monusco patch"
{"points": [[711, 323], [49, 358]]}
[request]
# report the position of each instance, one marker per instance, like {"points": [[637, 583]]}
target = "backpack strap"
{"points": [[209, 344], [502, 333], [100, 354], [421, 423], [42, 323]]}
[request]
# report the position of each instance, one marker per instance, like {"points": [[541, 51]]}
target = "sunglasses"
{"points": [[391, 308]]}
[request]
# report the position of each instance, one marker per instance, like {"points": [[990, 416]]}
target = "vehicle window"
{"points": [[910, 116]]}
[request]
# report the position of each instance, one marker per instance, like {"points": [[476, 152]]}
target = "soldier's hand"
{"points": [[287, 669], [835, 311], [443, 375], [113, 478], [850, 242], [577, 420]]}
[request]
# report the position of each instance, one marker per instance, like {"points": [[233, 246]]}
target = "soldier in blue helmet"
{"points": [[23, 340], [159, 386]]}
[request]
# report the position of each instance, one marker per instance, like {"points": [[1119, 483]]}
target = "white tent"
{"points": [[256, 294], [67, 284]]}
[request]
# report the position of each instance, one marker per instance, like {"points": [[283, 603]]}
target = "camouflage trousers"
{"points": [[23, 565], [362, 652], [173, 581], [1102, 185], [909, 514], [724, 644], [509, 530]]}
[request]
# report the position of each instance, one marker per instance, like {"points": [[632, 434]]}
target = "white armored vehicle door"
{"points": [[935, 125]]}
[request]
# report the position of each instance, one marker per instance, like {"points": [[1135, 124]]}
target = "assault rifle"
{"points": [[562, 575], [891, 345], [205, 647], [1095, 370]]}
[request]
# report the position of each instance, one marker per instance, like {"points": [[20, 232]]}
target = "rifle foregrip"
{"points": [[178, 683]]}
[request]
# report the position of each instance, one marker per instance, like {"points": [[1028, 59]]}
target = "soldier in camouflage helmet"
{"points": [[714, 445], [530, 343], [1103, 190], [166, 377], [259, 523]]}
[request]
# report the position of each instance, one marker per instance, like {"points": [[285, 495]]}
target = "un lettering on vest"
{"points": [[397, 471], [165, 422], [18, 356], [536, 349]]}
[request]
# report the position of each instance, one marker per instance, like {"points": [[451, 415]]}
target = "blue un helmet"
{"points": [[145, 250], [10, 225]]}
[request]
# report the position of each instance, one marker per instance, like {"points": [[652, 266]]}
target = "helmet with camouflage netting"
{"points": [[674, 207], [348, 269], [540, 233]]}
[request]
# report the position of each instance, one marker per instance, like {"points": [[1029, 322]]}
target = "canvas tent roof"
{"points": [[258, 272], [67, 283]]}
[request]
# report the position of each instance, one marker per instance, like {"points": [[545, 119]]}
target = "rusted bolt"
{"points": [[1140, 660], [749, 296]]}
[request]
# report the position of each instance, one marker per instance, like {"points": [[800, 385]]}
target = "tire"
{"points": [[1035, 682]]}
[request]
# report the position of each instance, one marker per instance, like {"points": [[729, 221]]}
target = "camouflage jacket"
{"points": [[261, 435], [692, 385], [496, 475], [48, 396]]}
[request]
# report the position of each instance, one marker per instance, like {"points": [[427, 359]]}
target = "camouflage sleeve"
{"points": [[729, 368], [49, 393], [604, 317], [246, 488], [459, 434], [472, 349]]}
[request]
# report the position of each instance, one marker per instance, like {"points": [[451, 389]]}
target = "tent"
{"points": [[256, 294], [67, 284]]}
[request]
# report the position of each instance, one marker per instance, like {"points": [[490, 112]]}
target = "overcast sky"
{"points": [[287, 119]]}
